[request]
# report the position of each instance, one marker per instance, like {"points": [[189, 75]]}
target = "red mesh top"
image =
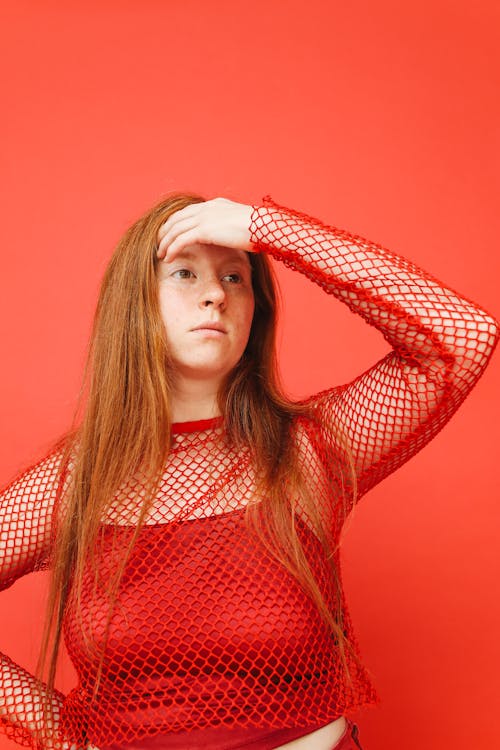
{"points": [[213, 643]]}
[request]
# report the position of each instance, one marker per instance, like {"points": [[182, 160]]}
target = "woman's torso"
{"points": [[209, 629]]}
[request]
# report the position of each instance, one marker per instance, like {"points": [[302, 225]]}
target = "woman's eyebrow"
{"points": [[189, 255], [185, 255], [239, 260]]}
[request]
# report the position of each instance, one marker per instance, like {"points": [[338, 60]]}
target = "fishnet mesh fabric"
{"points": [[210, 630]]}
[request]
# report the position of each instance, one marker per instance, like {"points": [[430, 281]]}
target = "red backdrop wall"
{"points": [[379, 117]]}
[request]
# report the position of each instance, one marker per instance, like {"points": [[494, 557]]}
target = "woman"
{"points": [[191, 518]]}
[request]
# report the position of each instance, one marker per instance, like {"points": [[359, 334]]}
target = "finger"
{"points": [[181, 227], [173, 232], [182, 241], [180, 215], [170, 229]]}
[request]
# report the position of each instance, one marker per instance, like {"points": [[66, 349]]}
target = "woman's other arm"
{"points": [[26, 507]]}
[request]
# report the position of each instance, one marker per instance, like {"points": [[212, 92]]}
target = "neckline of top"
{"points": [[197, 425]]}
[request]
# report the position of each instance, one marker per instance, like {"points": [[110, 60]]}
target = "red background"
{"points": [[380, 117]]}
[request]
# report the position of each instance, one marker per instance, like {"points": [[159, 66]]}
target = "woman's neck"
{"points": [[194, 400]]}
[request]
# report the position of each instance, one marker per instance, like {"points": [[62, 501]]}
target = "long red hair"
{"points": [[122, 428]]}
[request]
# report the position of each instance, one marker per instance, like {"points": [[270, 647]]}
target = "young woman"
{"points": [[191, 518]]}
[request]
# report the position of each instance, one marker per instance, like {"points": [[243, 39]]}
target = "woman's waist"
{"points": [[234, 738], [215, 705]]}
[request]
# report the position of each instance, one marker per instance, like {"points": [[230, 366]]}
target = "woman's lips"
{"points": [[211, 328], [212, 332]]}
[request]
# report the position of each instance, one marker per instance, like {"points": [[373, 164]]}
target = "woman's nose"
{"points": [[213, 293]]}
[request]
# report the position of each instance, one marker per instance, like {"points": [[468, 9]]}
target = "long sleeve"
{"points": [[441, 341], [26, 506]]}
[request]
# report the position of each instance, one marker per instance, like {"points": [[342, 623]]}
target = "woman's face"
{"points": [[207, 305]]}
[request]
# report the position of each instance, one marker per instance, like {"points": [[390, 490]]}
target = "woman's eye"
{"points": [[183, 273], [235, 278]]}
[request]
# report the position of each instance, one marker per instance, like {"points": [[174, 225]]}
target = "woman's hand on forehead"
{"points": [[215, 222]]}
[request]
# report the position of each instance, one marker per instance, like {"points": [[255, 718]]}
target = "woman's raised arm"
{"points": [[441, 341]]}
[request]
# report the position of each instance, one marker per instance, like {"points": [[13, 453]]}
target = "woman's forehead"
{"points": [[212, 253]]}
